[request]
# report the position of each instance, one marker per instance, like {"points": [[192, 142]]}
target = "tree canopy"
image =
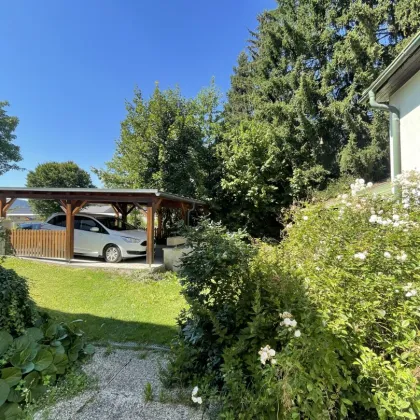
{"points": [[9, 152], [166, 143], [55, 175], [293, 120]]}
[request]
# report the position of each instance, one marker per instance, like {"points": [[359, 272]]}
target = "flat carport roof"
{"points": [[123, 201]]}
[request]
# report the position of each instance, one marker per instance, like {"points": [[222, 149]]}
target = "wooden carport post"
{"points": [[152, 206], [72, 207]]}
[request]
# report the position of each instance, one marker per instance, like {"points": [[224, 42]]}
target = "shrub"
{"points": [[218, 288], [34, 360], [16, 308], [329, 325]]}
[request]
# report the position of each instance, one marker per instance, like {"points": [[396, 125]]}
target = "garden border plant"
{"points": [[325, 325]]}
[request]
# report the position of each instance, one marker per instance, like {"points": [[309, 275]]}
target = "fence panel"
{"points": [[38, 243]]}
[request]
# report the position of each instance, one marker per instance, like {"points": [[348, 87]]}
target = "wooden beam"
{"points": [[159, 224], [8, 204], [150, 230], [78, 206], [131, 209], [3, 202], [117, 213], [69, 230]]}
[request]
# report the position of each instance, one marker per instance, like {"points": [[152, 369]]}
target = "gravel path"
{"points": [[122, 378]]}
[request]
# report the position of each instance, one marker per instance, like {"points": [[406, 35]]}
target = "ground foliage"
{"points": [[324, 325]]}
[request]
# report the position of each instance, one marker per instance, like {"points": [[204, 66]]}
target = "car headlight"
{"points": [[131, 240]]}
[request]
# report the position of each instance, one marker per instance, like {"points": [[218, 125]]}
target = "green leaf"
{"points": [[61, 362], [32, 379], [89, 349], [22, 343], [35, 334], [11, 375], [4, 391], [15, 396], [5, 341], [10, 411], [346, 401], [43, 359], [29, 367], [405, 323], [51, 329]]}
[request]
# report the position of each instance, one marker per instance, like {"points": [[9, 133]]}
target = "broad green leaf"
{"points": [[10, 411], [51, 329], [32, 379], [35, 333], [61, 362], [11, 375], [43, 359], [4, 391], [29, 367], [15, 396], [5, 341], [22, 343]]}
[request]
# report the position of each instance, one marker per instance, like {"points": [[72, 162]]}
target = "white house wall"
{"points": [[407, 100]]}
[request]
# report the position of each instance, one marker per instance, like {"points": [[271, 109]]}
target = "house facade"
{"points": [[397, 92]]}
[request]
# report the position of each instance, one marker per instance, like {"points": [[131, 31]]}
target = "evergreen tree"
{"points": [[293, 120]]}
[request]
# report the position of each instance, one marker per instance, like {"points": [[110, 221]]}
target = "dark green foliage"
{"points": [[9, 152], [56, 175], [17, 310], [32, 361], [350, 284], [218, 289], [293, 120]]}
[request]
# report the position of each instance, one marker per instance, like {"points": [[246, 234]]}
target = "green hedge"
{"points": [[324, 325], [16, 307]]}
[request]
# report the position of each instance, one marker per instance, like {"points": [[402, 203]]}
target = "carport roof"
{"points": [[97, 195]]}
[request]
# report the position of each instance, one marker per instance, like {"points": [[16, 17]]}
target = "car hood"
{"points": [[137, 234]]}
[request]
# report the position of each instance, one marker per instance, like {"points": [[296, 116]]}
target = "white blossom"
{"points": [[387, 254], [195, 391], [297, 333], [266, 353], [197, 400], [339, 257], [305, 218], [360, 256], [293, 323]]}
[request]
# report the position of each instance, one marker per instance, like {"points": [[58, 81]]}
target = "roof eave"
{"points": [[392, 68]]}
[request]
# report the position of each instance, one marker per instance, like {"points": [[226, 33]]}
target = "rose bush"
{"points": [[326, 324]]}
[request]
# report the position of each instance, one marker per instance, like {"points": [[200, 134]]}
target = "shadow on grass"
{"points": [[111, 329]]}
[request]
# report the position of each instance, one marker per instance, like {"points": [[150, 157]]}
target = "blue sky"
{"points": [[68, 66]]}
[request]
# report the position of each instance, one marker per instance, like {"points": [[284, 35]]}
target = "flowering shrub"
{"points": [[330, 325]]}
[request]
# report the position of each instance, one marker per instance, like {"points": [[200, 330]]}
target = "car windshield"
{"points": [[113, 223]]}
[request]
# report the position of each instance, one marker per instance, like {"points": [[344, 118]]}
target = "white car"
{"points": [[102, 236]]}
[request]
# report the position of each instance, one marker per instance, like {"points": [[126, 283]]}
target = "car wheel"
{"points": [[112, 254]]}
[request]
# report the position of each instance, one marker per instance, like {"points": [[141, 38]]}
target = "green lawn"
{"points": [[114, 306]]}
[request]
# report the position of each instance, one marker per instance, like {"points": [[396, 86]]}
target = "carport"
{"points": [[124, 201]]}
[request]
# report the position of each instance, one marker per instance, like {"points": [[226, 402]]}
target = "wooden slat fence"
{"points": [[38, 243]]}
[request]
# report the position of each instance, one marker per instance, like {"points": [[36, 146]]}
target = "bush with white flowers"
{"points": [[325, 325]]}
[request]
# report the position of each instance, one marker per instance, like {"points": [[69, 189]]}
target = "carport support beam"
{"points": [[69, 231], [150, 249]]}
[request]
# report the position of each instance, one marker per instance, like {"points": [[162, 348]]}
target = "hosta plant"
{"points": [[30, 362]]}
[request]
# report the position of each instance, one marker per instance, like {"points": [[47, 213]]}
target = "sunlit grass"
{"points": [[115, 307]]}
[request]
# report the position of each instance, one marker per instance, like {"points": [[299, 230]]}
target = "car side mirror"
{"points": [[94, 229]]}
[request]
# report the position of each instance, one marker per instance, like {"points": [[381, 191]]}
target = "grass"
{"points": [[114, 306]]}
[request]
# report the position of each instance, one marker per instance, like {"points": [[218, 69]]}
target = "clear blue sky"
{"points": [[68, 66]]}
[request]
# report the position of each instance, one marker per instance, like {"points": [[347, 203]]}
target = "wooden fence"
{"points": [[38, 243]]}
